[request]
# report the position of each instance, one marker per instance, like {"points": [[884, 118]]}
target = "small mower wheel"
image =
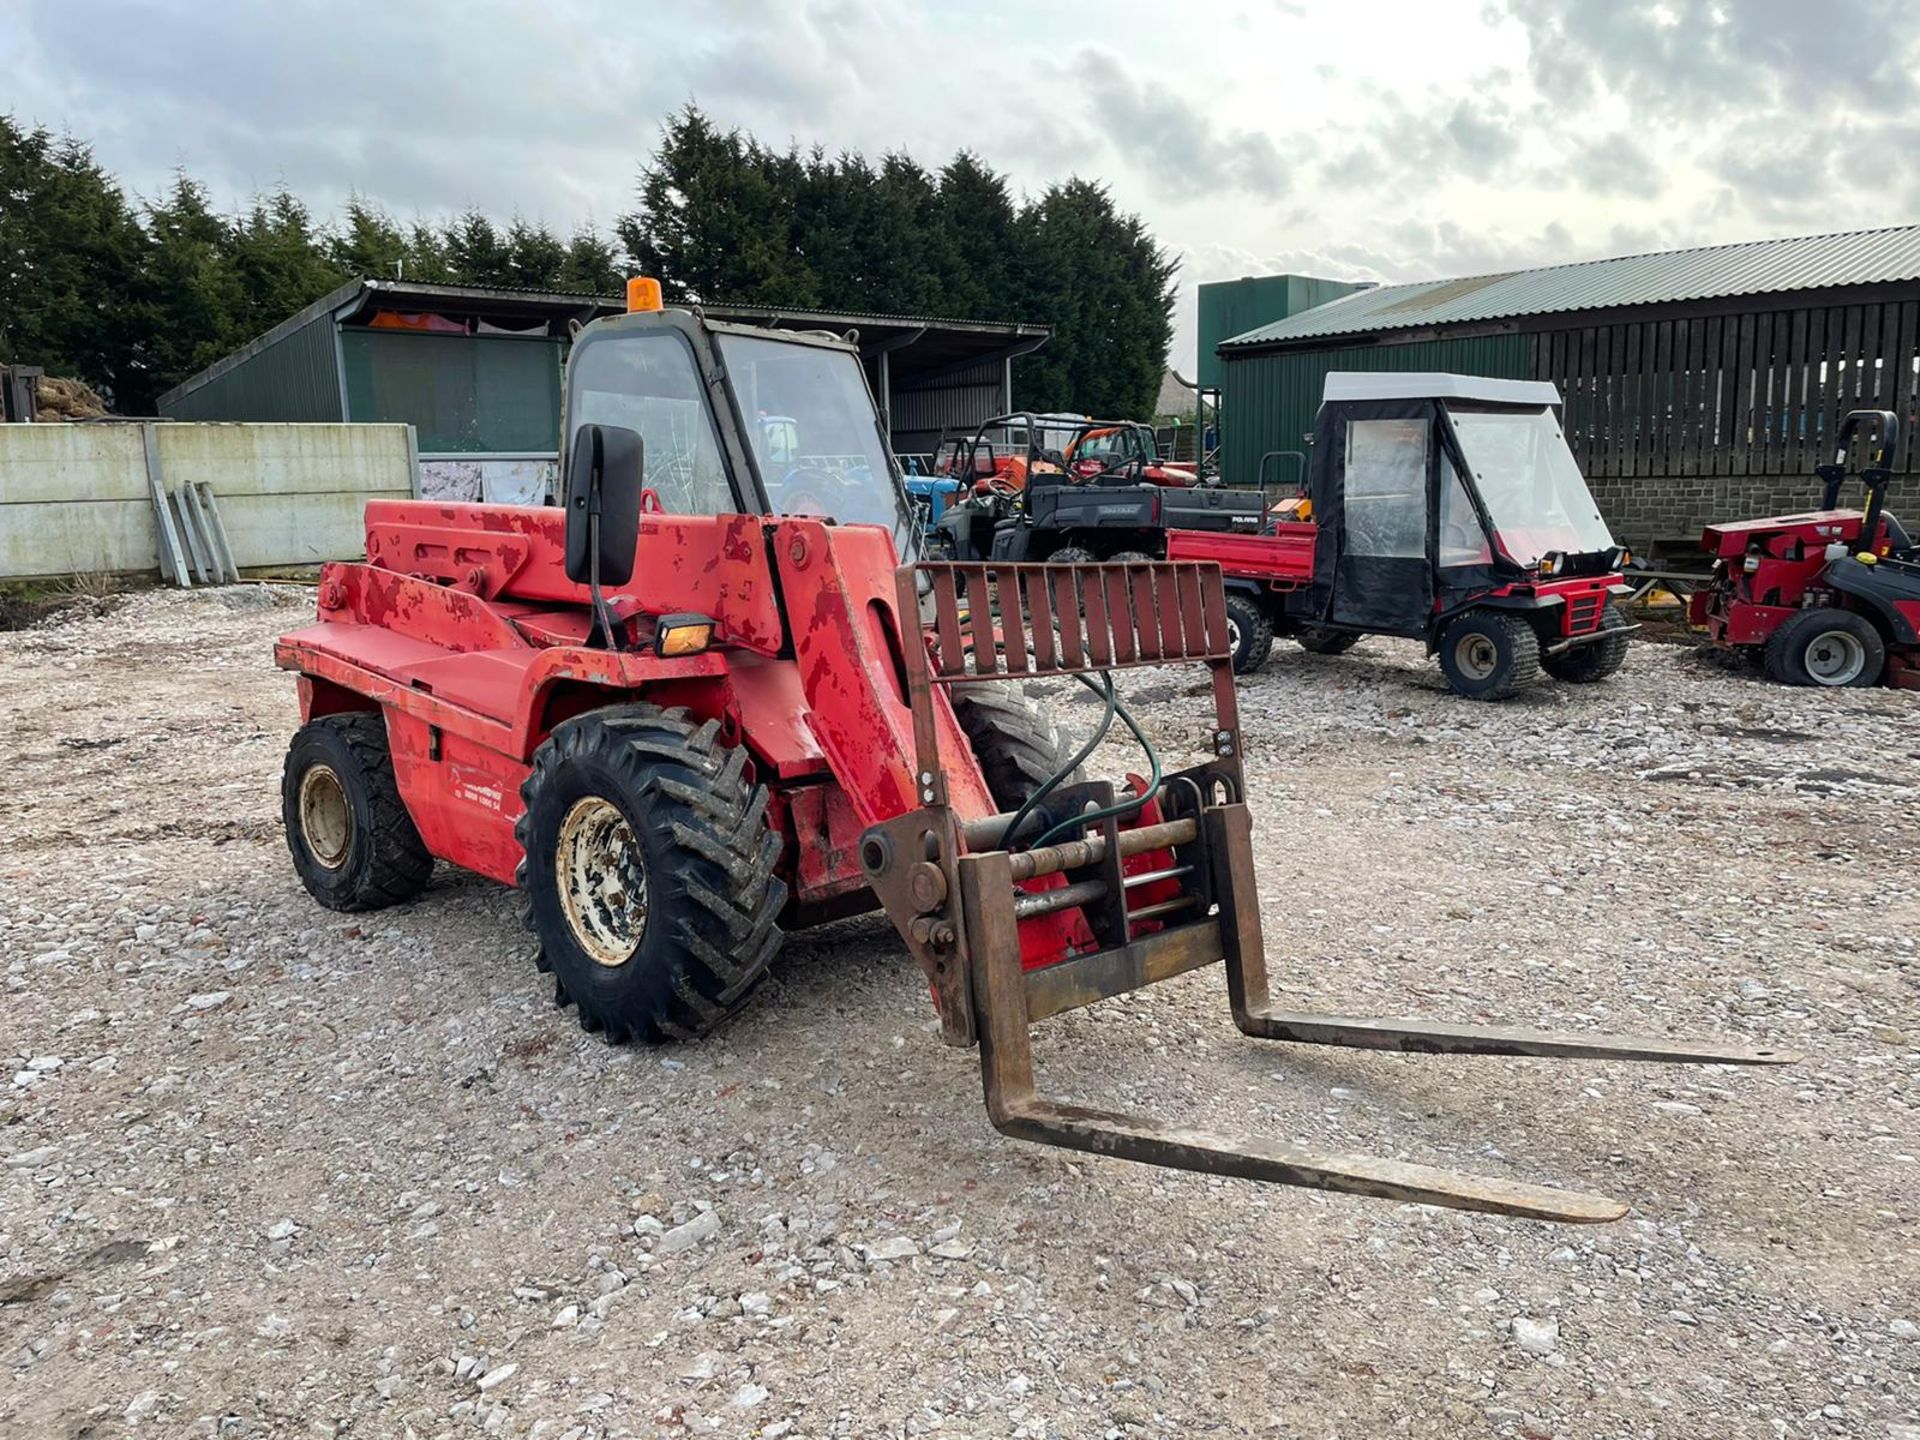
{"points": [[1073, 555], [1249, 634], [1489, 655], [1584, 664], [648, 872], [1317, 641], [1018, 747], [1826, 646], [352, 840]]}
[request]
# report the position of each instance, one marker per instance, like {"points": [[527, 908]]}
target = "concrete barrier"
{"points": [[78, 499]]}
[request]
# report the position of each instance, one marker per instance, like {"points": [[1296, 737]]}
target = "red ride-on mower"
{"points": [[1832, 596], [1446, 509], [704, 703]]}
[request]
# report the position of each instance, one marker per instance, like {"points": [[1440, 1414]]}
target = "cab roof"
{"points": [[1432, 385]]}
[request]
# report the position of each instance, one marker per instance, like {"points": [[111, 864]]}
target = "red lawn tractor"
{"points": [[1831, 596], [1442, 508], [704, 702]]}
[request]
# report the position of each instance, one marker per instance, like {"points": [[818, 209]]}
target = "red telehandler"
{"points": [[704, 701]]}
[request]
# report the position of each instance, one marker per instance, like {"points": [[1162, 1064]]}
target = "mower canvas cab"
{"points": [[704, 702], [1441, 508], [1037, 487], [1832, 596]]}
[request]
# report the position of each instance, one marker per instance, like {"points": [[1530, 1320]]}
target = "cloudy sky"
{"points": [[1371, 139]]}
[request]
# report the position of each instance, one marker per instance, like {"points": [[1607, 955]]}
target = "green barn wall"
{"points": [[1268, 401], [1232, 307], [294, 378]]}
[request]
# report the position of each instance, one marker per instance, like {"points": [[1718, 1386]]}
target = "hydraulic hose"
{"points": [[1121, 809]]}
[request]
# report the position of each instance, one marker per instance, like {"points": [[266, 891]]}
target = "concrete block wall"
{"points": [[1670, 511], [76, 499]]}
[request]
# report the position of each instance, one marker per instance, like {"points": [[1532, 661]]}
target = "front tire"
{"points": [[1018, 747], [1489, 655], [1829, 647], [1249, 634], [649, 872], [1586, 664], [353, 843]]}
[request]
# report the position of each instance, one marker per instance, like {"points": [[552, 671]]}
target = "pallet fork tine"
{"points": [[962, 897]]}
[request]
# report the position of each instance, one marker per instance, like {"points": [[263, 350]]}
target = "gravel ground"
{"points": [[266, 1170]]}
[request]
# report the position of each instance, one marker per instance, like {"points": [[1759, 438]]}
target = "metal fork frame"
{"points": [[959, 909]]}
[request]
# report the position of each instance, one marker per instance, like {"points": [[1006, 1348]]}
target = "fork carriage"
{"points": [[1013, 925]]}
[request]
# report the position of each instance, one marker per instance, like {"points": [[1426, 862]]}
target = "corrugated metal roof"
{"points": [[1756, 267]]}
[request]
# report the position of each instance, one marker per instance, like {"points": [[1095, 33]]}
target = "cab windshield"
{"points": [[1529, 482], [810, 421]]}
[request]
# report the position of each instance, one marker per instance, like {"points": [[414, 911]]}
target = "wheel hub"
{"points": [[326, 819], [1836, 658], [1233, 635], [601, 875], [1476, 656]]}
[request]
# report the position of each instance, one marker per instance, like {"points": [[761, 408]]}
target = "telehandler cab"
{"points": [[704, 701]]}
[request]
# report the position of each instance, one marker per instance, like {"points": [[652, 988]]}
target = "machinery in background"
{"points": [[1441, 508], [1043, 488], [1829, 597]]}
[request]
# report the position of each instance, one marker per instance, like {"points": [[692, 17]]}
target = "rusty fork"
{"points": [[967, 900]]}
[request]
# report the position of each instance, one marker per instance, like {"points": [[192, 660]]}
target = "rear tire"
{"points": [[1073, 555], [1018, 747], [1129, 557], [1317, 641], [1585, 664], [1489, 655], [1249, 634], [1824, 646], [649, 872], [353, 843]]}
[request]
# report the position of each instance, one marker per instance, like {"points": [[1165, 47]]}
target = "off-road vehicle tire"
{"points": [[634, 794], [353, 844], [1249, 633], [1073, 555], [1826, 646], [1129, 557], [1489, 654], [1316, 640], [1018, 747], [1586, 664]]}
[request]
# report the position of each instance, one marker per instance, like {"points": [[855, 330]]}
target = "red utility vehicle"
{"points": [[1832, 596], [680, 717], [1440, 508]]}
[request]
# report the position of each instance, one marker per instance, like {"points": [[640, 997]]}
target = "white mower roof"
{"points": [[1428, 385]]}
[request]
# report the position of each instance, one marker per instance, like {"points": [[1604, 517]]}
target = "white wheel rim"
{"points": [[326, 819], [1835, 658], [601, 874], [1233, 635], [1476, 656]]}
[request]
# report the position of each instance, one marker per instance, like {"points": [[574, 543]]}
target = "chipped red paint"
{"points": [[463, 628]]}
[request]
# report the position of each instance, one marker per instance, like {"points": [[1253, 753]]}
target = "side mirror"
{"points": [[605, 476]]}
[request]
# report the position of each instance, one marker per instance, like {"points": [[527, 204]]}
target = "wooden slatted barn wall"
{"points": [[1681, 422]]}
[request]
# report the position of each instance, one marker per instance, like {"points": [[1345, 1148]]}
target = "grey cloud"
{"points": [[1170, 139], [1415, 147], [1707, 57], [1617, 164]]}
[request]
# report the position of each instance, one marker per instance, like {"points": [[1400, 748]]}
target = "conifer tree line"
{"points": [[134, 295]]}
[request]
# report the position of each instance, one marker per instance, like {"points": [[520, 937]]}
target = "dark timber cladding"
{"points": [[1698, 386]]}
